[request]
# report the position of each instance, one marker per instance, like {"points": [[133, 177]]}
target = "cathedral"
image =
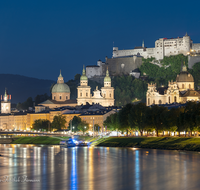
{"points": [[180, 91], [104, 96]]}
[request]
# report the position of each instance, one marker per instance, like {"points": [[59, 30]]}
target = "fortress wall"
{"points": [[196, 47], [121, 53], [192, 60], [93, 71], [125, 65]]}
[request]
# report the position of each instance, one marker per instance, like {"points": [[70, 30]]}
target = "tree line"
{"points": [[139, 117], [59, 123]]}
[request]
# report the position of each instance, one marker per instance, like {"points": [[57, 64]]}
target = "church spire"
{"points": [[60, 78], [60, 74], [107, 79], [83, 73], [5, 98], [184, 68], [143, 43]]}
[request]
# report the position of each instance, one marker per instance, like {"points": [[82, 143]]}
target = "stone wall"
{"points": [[122, 65], [192, 60], [6, 140]]}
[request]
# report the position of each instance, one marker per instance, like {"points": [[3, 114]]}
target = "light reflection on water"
{"points": [[94, 168]]}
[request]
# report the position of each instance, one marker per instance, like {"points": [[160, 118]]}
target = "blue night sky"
{"points": [[38, 38]]}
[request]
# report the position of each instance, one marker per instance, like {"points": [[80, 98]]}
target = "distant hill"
{"points": [[22, 87]]}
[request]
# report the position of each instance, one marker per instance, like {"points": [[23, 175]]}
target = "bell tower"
{"points": [[83, 91], [6, 103], [107, 91]]}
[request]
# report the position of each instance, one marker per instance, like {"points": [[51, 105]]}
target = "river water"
{"points": [[90, 168]]}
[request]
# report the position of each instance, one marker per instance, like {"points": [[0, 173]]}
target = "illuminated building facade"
{"points": [[180, 91], [104, 96]]}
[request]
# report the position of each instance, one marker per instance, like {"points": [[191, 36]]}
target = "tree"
{"points": [[41, 98], [155, 117], [25, 105], [112, 122], [123, 118], [41, 124], [138, 118], [83, 126], [59, 122], [77, 77], [75, 122]]}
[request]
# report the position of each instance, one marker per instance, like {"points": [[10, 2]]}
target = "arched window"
{"points": [[189, 86], [182, 85], [160, 102], [153, 101], [174, 98]]}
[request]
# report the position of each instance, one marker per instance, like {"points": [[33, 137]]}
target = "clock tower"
{"points": [[6, 103]]}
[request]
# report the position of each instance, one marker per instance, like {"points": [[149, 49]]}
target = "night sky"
{"points": [[38, 38]]}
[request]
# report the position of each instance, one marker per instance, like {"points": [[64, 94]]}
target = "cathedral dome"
{"points": [[60, 87], [184, 76]]}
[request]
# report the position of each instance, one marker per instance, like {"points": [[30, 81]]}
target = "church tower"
{"points": [[5, 103], [83, 91], [107, 91]]}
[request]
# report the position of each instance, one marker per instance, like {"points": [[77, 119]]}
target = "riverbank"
{"points": [[37, 140], [169, 143], [46, 140]]}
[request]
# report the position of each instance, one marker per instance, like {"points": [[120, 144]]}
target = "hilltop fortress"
{"points": [[163, 47], [127, 61]]}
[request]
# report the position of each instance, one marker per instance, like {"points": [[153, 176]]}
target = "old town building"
{"points": [[180, 91]]}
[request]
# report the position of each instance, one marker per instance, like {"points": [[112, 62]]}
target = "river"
{"points": [[32, 167]]}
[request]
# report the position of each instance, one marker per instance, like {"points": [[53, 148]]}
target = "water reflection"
{"points": [[137, 170], [98, 168]]}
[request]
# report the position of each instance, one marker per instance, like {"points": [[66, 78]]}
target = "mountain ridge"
{"points": [[21, 87]]}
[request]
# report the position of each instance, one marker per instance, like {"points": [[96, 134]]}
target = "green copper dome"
{"points": [[83, 76], [60, 87], [107, 78]]}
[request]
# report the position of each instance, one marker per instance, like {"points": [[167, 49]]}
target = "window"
{"points": [[54, 97], [81, 94], [169, 99], [86, 94], [60, 97], [160, 102], [66, 97], [148, 101], [174, 98], [189, 86], [110, 95], [182, 85], [153, 101]]}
